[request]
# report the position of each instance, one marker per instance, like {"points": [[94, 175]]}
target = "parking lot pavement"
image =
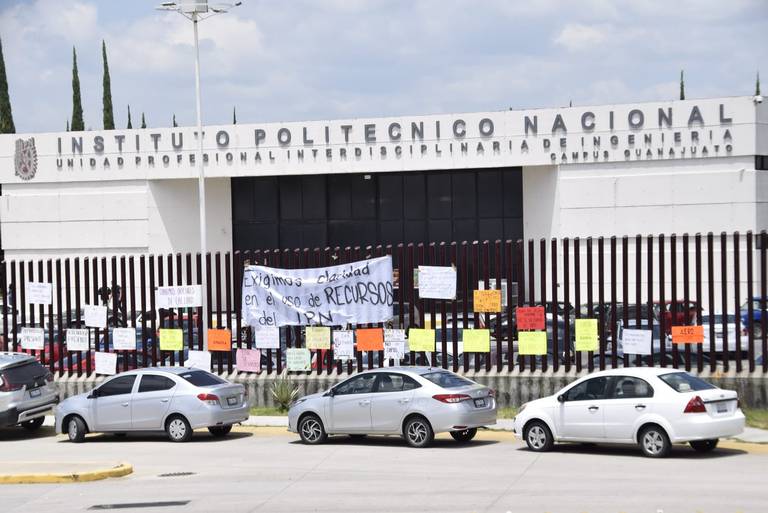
{"points": [[267, 469]]}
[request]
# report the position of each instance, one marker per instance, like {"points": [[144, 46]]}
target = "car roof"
{"points": [[415, 369], [635, 371], [8, 359]]}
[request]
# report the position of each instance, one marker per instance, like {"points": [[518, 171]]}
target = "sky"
{"points": [[297, 60]]}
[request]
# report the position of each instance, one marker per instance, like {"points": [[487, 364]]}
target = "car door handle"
{"points": [[124, 404], [364, 402], [163, 400], [403, 401], [594, 408], [639, 406]]}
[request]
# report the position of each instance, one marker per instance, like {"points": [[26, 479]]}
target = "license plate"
{"points": [[479, 403], [231, 401], [34, 393], [722, 407]]}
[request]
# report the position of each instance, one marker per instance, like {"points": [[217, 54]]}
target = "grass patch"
{"points": [[506, 413], [756, 418], [267, 411]]}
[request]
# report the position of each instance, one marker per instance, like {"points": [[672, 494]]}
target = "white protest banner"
{"points": [[77, 339], [106, 363], [124, 339], [95, 316], [343, 345], [355, 293], [32, 338], [266, 337], [38, 293], [437, 282], [636, 341], [394, 349], [198, 360], [298, 359], [181, 296]]}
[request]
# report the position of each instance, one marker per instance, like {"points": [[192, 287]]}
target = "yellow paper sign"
{"points": [[421, 340], [318, 337], [487, 301], [476, 341], [586, 335], [532, 342], [171, 339]]}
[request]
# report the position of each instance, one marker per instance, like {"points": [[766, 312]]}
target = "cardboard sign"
{"points": [[437, 282], [95, 316], [343, 345], [32, 338], [198, 360], [487, 301], [124, 339], [248, 360], [476, 340], [370, 339], [106, 363], [421, 340], [266, 337], [317, 337], [531, 318], [636, 341], [219, 340], [38, 293], [181, 296], [298, 359], [586, 335], [77, 339], [532, 342], [687, 334], [171, 339]]}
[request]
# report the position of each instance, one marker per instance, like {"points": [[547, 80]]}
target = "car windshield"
{"points": [[684, 382], [446, 379], [22, 374], [202, 379]]}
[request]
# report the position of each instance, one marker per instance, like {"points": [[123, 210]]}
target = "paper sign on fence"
{"points": [[124, 339], [394, 349], [317, 337], [370, 339], [77, 339], [219, 340], [487, 301], [106, 363], [437, 282], [476, 340], [171, 339], [586, 335], [530, 318], [38, 293], [532, 342], [32, 338], [180, 296], [298, 359], [343, 345], [248, 360], [266, 337], [391, 335], [636, 341], [198, 360], [421, 340], [95, 316], [687, 334]]}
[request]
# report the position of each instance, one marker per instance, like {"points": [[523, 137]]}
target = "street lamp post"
{"points": [[196, 10]]}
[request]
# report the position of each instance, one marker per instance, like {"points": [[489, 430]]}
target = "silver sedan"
{"points": [[415, 402], [176, 400]]}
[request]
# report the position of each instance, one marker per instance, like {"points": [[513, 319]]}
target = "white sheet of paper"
{"points": [[95, 316], [32, 338], [198, 360], [394, 335], [77, 339], [343, 345], [124, 339], [38, 293], [636, 341], [394, 349], [180, 296], [106, 363], [437, 282], [266, 337], [298, 359]]}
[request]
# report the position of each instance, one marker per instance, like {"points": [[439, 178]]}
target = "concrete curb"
{"points": [[119, 470]]}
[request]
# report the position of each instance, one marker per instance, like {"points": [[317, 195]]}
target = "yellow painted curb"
{"points": [[122, 469]]}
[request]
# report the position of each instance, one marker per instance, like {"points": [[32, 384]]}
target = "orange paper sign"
{"points": [[687, 334], [370, 339], [487, 301], [219, 340]]}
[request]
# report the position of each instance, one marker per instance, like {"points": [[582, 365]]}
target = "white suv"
{"points": [[27, 391]]}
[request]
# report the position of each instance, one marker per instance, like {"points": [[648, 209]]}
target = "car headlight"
{"points": [[297, 402], [520, 410]]}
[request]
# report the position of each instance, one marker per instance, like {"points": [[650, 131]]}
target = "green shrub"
{"points": [[284, 392]]}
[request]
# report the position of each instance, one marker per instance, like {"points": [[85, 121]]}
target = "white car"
{"points": [[652, 407]]}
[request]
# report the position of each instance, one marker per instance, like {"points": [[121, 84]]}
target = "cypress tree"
{"points": [[234, 116], [77, 106], [682, 86], [109, 118], [757, 85], [143, 121], [130, 125], [174, 121], [6, 116], [67, 125]]}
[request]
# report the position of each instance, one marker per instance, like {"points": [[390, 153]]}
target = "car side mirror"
{"points": [[561, 398], [329, 393], [94, 394]]}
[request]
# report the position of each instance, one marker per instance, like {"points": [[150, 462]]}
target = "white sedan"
{"points": [[652, 407]]}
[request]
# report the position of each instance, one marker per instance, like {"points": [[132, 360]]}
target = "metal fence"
{"points": [[649, 282]]}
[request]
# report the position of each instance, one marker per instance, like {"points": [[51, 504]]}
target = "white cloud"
{"points": [[576, 37]]}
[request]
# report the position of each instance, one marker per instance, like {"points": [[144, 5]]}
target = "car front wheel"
{"points": [[418, 432], [178, 429], [76, 430], [311, 430], [220, 431], [538, 437], [704, 445], [464, 436], [654, 442]]}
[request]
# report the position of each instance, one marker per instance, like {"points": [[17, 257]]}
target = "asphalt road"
{"points": [[267, 469]]}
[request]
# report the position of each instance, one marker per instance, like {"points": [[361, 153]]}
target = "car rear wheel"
{"points": [[464, 436], [654, 442], [76, 430], [34, 424], [311, 430], [418, 432], [704, 445], [178, 429], [220, 431], [538, 437]]}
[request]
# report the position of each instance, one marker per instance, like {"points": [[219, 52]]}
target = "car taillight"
{"points": [[695, 405], [451, 398], [49, 377], [7, 386], [491, 393], [211, 399]]}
